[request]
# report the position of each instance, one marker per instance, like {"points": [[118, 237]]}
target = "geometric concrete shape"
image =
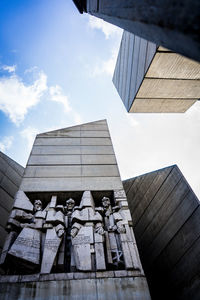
{"points": [[161, 105], [164, 23], [91, 289], [52, 141], [151, 79], [70, 184], [72, 150], [172, 89], [166, 215], [173, 65], [72, 226], [27, 247], [72, 171], [10, 179], [22, 202], [60, 162]]}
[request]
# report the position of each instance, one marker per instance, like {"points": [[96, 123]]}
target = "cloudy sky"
{"points": [[56, 70]]}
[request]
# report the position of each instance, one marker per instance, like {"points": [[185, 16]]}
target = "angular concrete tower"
{"points": [[70, 230]]}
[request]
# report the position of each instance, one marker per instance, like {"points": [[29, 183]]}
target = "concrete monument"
{"points": [[70, 222]]}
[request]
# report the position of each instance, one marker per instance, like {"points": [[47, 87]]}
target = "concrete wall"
{"points": [[82, 289], [134, 58], [166, 218], [73, 159], [165, 22], [10, 179], [153, 79]]}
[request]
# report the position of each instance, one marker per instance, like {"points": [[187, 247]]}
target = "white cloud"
{"points": [[107, 66], [29, 134], [155, 141], [57, 95], [6, 143], [77, 118], [107, 28], [16, 97], [10, 69]]}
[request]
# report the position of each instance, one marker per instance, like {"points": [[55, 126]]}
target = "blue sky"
{"points": [[56, 71]]}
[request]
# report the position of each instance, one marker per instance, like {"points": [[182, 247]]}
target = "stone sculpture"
{"points": [[55, 228], [68, 238], [87, 236], [67, 255]]}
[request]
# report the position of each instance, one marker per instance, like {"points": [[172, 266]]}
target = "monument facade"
{"points": [[70, 226]]}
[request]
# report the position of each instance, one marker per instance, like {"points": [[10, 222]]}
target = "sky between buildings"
{"points": [[56, 70]]}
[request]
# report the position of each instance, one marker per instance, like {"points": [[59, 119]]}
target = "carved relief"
{"points": [[63, 237]]}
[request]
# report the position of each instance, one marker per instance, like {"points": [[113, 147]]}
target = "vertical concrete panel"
{"points": [[167, 232], [10, 179], [53, 157]]}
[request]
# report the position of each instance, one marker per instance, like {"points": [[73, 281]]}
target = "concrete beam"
{"points": [[172, 24]]}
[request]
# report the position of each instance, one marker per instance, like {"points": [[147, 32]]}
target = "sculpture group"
{"points": [[70, 237]]}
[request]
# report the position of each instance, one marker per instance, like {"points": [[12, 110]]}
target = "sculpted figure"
{"points": [[25, 251], [113, 226], [120, 241], [87, 236], [55, 229], [66, 254]]}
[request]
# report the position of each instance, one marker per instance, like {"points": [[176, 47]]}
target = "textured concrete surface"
{"points": [[89, 168], [77, 158], [105, 288], [172, 24], [10, 179], [154, 79], [166, 216]]}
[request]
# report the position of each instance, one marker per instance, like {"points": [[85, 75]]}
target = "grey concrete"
{"points": [[52, 141], [166, 216], [74, 171], [77, 162], [172, 24], [68, 184], [60, 162], [154, 79], [10, 179], [120, 288], [72, 150]]}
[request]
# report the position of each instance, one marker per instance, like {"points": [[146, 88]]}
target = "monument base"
{"points": [[82, 286]]}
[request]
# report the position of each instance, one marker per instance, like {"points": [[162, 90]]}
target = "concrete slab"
{"points": [[54, 160], [173, 65], [56, 141], [72, 150], [71, 184], [144, 105], [98, 159], [164, 88], [94, 133]]}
